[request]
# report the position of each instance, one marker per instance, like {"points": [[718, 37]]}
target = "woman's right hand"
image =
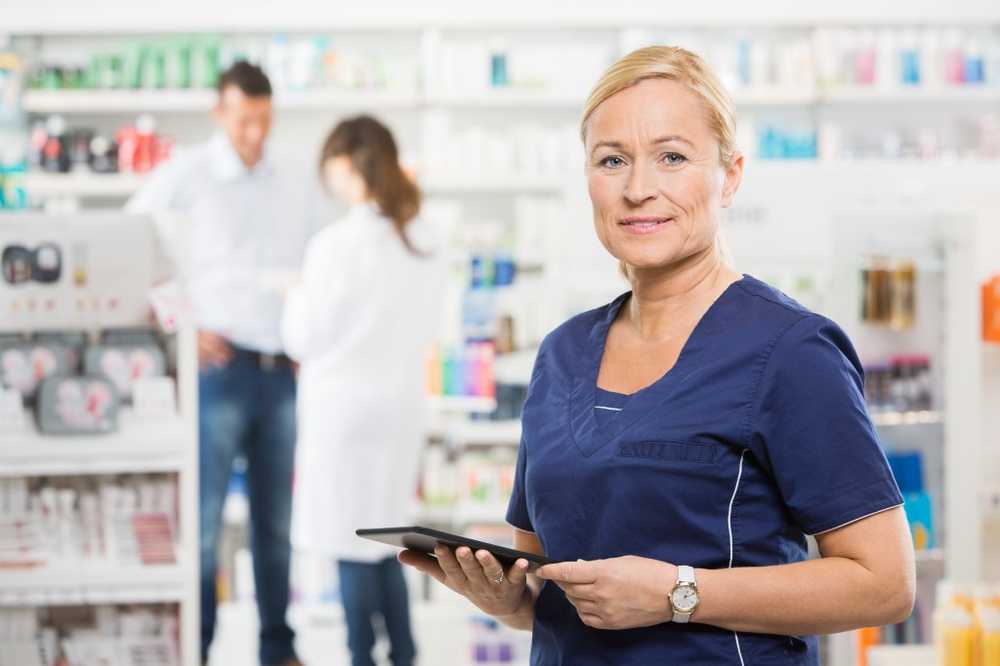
{"points": [[474, 576]]}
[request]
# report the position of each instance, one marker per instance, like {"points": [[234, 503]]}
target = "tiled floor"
{"points": [[442, 629]]}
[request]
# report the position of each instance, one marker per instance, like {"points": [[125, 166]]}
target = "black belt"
{"points": [[263, 360]]}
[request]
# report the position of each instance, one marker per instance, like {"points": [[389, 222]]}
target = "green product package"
{"points": [[177, 63], [153, 71], [205, 63], [132, 65], [116, 68]]}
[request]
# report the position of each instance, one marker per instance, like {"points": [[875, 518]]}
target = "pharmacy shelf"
{"points": [[174, 101], [461, 403], [157, 101], [116, 101], [902, 655], [802, 96], [467, 513], [463, 513], [434, 515], [922, 94], [484, 433], [929, 556], [507, 99], [140, 445], [88, 185], [83, 184], [487, 183], [97, 584], [924, 417]]}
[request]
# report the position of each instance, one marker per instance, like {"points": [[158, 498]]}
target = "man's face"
{"points": [[246, 121]]}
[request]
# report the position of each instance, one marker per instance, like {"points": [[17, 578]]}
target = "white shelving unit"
{"points": [[460, 404], [200, 101], [143, 444], [87, 185], [83, 585], [923, 417]]}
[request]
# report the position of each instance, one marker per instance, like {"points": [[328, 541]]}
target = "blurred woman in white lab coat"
{"points": [[360, 322]]}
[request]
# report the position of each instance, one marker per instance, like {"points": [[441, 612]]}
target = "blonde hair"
{"points": [[674, 64]]}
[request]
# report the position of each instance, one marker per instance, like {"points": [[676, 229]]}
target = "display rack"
{"points": [[86, 186], [158, 443]]}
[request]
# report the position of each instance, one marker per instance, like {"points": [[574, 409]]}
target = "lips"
{"points": [[645, 224]]}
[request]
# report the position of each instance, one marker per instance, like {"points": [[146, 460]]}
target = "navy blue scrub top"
{"points": [[757, 436]]}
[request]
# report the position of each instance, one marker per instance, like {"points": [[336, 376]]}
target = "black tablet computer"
{"points": [[424, 539]]}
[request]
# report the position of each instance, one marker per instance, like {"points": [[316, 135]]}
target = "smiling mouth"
{"points": [[644, 225]]}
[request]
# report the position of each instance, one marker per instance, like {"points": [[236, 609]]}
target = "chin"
{"points": [[647, 260]]}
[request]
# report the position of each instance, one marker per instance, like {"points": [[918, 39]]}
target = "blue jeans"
{"points": [[380, 588], [246, 408]]}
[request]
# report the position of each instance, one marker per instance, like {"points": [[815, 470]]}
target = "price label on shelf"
{"points": [[155, 397]]}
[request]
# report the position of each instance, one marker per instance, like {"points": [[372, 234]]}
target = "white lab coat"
{"points": [[360, 323]]}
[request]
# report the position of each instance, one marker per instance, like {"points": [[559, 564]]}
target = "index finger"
{"points": [[568, 572], [422, 562]]}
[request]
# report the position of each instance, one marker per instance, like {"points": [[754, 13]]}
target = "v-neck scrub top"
{"points": [[758, 436]]}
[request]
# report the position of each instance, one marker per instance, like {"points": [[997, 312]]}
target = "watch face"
{"points": [[684, 598]]}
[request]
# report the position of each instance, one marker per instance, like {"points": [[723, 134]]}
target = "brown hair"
{"points": [[373, 153], [250, 79]]}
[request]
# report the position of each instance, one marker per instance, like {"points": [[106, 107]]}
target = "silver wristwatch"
{"points": [[684, 597]]}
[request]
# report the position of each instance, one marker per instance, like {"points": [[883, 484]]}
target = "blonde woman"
{"points": [[681, 441]]}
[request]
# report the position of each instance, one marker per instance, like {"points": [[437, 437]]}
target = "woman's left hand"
{"points": [[618, 593]]}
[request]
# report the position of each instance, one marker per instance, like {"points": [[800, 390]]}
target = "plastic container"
{"points": [[955, 633], [989, 650]]}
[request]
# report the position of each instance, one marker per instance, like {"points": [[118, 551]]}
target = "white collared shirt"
{"points": [[244, 223]]}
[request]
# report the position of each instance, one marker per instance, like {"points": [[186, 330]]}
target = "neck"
{"points": [[669, 298]]}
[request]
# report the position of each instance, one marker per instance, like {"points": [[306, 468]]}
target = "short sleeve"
{"points": [[813, 432], [517, 509]]}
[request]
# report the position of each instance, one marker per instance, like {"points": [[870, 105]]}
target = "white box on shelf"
{"points": [[12, 417], [154, 397]]}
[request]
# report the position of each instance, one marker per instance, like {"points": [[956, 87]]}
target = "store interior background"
{"points": [[857, 171]]}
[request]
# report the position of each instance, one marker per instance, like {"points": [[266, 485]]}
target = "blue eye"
{"points": [[674, 159], [612, 161]]}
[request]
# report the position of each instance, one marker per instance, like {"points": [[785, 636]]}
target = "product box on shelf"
{"points": [[80, 271]]}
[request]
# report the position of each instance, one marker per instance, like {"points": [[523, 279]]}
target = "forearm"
{"points": [[524, 617], [819, 596]]}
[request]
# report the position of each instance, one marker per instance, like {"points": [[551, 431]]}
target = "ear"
{"points": [[733, 178], [217, 111]]}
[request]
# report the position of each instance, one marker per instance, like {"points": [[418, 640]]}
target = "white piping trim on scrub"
{"points": [[854, 520], [610, 409], [729, 524]]}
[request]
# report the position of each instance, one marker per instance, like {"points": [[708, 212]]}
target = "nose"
{"points": [[641, 186]]}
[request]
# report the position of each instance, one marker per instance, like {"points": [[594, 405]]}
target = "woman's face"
{"points": [[654, 175], [344, 180]]}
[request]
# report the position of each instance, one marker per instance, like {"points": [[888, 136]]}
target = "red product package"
{"points": [[127, 139]]}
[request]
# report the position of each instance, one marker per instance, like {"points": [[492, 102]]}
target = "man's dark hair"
{"points": [[250, 79]]}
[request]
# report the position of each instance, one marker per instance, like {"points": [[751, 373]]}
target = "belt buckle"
{"points": [[268, 362]]}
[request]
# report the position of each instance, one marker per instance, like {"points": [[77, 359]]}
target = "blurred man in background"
{"points": [[241, 227]]}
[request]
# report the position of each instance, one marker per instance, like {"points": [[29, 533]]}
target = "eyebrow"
{"points": [[619, 145]]}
